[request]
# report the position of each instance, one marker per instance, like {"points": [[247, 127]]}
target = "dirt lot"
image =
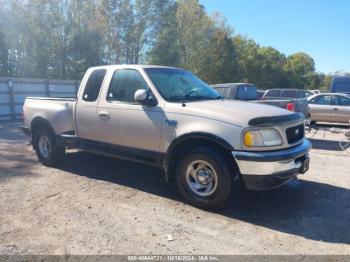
{"points": [[99, 205]]}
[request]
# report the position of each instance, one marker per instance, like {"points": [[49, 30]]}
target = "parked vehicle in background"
{"points": [[330, 107], [237, 91], [272, 94], [260, 93], [169, 118], [340, 84], [249, 92]]}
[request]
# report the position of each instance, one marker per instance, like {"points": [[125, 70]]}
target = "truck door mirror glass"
{"points": [[145, 97]]}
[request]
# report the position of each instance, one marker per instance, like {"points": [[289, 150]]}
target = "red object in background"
{"points": [[290, 106]]}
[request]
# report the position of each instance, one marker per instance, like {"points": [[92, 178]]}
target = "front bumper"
{"points": [[267, 170]]}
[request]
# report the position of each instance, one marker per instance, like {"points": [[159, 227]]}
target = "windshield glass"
{"points": [[179, 85]]}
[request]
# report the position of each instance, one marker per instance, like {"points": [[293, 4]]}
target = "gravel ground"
{"points": [[98, 205]]}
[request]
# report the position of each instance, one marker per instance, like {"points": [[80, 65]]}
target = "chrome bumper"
{"points": [[264, 170]]}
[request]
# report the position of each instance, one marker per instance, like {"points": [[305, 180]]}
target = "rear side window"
{"points": [[342, 101], [247, 92], [93, 85], [124, 84], [290, 94], [273, 93]]}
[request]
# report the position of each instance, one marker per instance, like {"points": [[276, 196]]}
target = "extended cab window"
{"points": [[93, 85], [124, 84]]}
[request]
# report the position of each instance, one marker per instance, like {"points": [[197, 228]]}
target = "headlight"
{"points": [[262, 137]]}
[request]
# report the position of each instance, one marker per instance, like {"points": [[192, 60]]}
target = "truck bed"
{"points": [[58, 111], [299, 105]]}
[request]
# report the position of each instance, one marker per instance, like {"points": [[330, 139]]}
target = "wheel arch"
{"points": [[40, 122], [190, 140]]}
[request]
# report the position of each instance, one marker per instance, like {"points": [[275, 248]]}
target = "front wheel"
{"points": [[48, 151], [204, 178]]}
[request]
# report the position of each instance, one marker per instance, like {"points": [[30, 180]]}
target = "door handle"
{"points": [[103, 115], [335, 109]]}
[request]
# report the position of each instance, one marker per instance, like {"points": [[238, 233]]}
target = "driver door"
{"points": [[124, 125]]}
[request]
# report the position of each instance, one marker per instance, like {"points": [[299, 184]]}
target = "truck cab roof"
{"points": [[130, 66]]}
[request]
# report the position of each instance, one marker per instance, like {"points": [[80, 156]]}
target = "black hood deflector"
{"points": [[273, 120]]}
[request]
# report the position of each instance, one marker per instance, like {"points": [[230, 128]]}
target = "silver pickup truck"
{"points": [[169, 118]]}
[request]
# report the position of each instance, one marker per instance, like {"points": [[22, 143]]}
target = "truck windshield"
{"points": [[177, 85]]}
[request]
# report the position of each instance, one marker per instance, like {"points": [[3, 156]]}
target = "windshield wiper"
{"points": [[189, 97], [210, 97]]}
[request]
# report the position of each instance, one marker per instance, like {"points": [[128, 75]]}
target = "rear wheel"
{"points": [[48, 151], [204, 178]]}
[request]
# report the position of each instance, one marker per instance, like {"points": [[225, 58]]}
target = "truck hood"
{"points": [[230, 111]]}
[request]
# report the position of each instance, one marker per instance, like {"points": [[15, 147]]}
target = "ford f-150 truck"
{"points": [[169, 118]]}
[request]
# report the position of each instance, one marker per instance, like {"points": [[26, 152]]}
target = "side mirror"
{"points": [[140, 95], [144, 97]]}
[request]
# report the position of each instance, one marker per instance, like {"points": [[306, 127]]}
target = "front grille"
{"points": [[295, 133]]}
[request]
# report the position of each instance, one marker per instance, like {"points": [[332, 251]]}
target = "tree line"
{"points": [[62, 38]]}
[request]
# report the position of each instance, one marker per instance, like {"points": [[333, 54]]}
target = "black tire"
{"points": [[224, 174], [56, 153]]}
